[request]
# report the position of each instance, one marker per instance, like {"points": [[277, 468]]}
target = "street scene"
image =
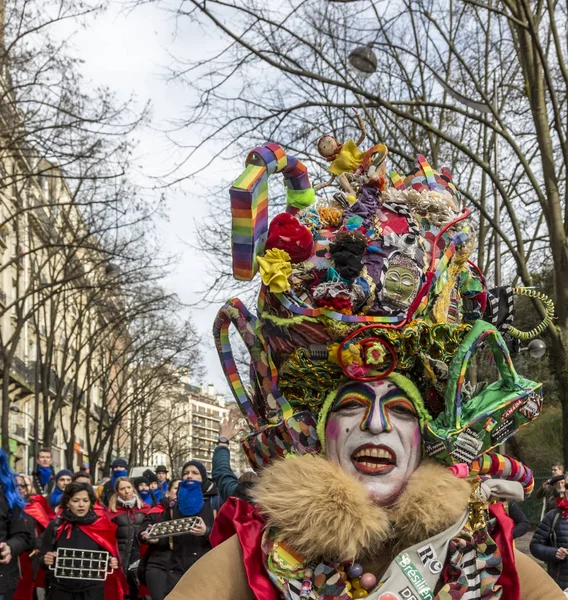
{"points": [[283, 300]]}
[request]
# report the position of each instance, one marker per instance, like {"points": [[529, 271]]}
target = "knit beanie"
{"points": [[150, 476], [119, 462], [140, 480], [62, 473], [200, 468]]}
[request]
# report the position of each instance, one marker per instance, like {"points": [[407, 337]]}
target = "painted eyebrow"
{"points": [[354, 388]]}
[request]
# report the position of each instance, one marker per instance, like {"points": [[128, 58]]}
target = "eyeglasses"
{"points": [[22, 485]]}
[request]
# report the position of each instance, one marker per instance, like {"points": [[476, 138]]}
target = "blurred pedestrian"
{"points": [[162, 475], [552, 488], [142, 485], [522, 524], [119, 468], [62, 480], [550, 542], [153, 484], [44, 473]]}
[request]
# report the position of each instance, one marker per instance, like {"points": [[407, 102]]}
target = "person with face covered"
{"points": [[62, 480], [142, 485], [196, 496], [156, 553], [377, 472], [79, 528], [154, 484], [119, 468]]}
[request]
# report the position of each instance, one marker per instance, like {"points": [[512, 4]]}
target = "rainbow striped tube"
{"points": [[234, 312], [503, 467], [249, 203]]}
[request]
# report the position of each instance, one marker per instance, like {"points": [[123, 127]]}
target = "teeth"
{"points": [[375, 453]]}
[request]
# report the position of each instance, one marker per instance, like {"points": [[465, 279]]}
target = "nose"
{"points": [[376, 420]]}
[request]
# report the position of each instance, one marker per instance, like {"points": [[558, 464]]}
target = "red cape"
{"points": [[103, 533], [503, 536], [40, 511], [242, 518]]}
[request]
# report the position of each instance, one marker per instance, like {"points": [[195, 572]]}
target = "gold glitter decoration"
{"points": [[476, 508], [330, 216], [306, 383]]}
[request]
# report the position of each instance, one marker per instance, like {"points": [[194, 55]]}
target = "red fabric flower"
{"points": [[288, 234]]}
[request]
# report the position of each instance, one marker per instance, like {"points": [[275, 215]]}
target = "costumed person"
{"points": [[37, 516], [368, 316], [127, 511], [196, 496], [119, 468], [142, 485], [156, 553], [79, 529], [15, 537], [84, 477], [44, 473], [154, 484], [162, 475], [62, 480]]}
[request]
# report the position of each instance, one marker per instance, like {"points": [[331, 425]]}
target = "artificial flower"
{"points": [[275, 268], [288, 234]]}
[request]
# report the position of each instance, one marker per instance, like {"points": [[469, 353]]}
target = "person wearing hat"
{"points": [[153, 484], [196, 496], [162, 475], [378, 471], [119, 468], [142, 485], [62, 480]]}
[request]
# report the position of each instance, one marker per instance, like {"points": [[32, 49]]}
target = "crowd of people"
{"points": [[49, 512]]}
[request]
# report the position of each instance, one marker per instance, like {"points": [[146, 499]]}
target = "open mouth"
{"points": [[373, 460]]}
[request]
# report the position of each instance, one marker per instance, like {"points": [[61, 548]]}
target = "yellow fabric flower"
{"points": [[275, 268], [349, 355]]}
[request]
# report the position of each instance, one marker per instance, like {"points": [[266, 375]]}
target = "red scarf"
{"points": [[562, 503], [503, 537], [242, 518]]}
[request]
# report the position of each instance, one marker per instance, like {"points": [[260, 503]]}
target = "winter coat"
{"points": [[522, 524], [129, 523], [43, 490], [221, 471], [158, 555], [14, 532], [107, 493], [544, 545]]}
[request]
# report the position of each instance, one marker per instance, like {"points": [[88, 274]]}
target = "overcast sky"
{"points": [[130, 52]]}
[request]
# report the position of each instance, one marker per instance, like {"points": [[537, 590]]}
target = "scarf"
{"points": [[55, 497], [87, 519], [126, 503], [190, 498], [116, 474], [158, 494], [562, 503], [45, 474], [146, 497], [163, 487]]}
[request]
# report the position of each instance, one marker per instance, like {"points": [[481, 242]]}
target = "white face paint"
{"points": [[373, 432]]}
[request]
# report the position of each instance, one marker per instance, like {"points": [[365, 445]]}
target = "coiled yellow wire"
{"points": [[549, 307]]}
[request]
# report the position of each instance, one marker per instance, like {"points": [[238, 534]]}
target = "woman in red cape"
{"points": [[80, 528]]}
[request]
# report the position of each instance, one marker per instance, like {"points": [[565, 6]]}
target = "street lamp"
{"points": [[363, 59]]}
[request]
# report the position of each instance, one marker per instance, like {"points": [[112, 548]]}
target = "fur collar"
{"points": [[324, 513]]}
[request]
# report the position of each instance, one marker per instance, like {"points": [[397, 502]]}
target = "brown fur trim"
{"points": [[319, 510], [433, 500]]}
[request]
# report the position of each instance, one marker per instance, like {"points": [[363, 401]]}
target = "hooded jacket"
{"points": [[328, 513]]}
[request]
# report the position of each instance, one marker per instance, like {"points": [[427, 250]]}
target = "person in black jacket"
{"points": [[155, 563], [78, 528], [522, 524], [550, 542], [196, 496], [127, 512], [44, 473], [15, 537], [119, 468]]}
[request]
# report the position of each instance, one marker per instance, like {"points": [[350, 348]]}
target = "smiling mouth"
{"points": [[373, 460]]}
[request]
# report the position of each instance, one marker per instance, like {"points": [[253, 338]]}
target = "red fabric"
{"points": [[40, 511], [103, 533], [288, 234], [503, 536], [563, 504], [242, 518]]}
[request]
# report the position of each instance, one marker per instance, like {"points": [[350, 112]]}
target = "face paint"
{"points": [[373, 433]]}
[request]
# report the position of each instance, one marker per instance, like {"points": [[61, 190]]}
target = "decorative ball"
{"points": [[356, 583], [368, 581], [360, 593], [355, 570]]}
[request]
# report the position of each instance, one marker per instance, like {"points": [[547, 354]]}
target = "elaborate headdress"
{"points": [[368, 286]]}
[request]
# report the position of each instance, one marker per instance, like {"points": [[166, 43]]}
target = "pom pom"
{"points": [[288, 234]]}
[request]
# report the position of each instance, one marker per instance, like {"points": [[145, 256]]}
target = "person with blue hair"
{"points": [[15, 539]]}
